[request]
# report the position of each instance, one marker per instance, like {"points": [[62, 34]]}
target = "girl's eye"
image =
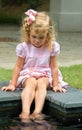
{"points": [[33, 36], [41, 37]]}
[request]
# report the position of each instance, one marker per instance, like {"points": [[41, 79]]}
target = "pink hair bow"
{"points": [[31, 16]]}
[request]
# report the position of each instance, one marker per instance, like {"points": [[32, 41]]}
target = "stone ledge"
{"points": [[64, 106]]}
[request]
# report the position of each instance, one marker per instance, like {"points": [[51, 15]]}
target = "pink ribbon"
{"points": [[31, 16]]}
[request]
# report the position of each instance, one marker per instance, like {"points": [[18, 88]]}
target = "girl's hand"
{"points": [[59, 89], [8, 88]]}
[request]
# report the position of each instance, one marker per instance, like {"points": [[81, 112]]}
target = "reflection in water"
{"points": [[47, 124], [16, 124], [34, 126]]}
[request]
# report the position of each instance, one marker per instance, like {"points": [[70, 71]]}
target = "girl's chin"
{"points": [[38, 46]]}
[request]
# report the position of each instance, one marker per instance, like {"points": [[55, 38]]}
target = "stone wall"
{"points": [[67, 14]]}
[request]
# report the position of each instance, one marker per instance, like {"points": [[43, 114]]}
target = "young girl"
{"points": [[36, 69]]}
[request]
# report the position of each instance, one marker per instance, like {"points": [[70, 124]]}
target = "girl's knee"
{"points": [[43, 80], [42, 83], [31, 81], [29, 86]]}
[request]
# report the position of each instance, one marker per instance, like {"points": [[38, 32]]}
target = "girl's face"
{"points": [[38, 39]]}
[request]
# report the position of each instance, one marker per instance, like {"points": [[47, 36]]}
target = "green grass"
{"points": [[72, 75], [5, 74]]}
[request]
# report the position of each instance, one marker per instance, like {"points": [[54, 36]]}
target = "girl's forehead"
{"points": [[40, 32]]}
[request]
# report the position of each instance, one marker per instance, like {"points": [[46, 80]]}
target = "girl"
{"points": [[36, 68]]}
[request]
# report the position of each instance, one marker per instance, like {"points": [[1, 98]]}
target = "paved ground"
{"points": [[71, 47]]}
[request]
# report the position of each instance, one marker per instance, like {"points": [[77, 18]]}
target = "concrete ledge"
{"points": [[64, 106], [10, 103]]}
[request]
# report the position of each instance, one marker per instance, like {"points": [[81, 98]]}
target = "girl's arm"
{"points": [[55, 78], [18, 67]]}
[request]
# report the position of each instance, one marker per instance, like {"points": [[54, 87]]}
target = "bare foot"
{"points": [[37, 116], [24, 116]]}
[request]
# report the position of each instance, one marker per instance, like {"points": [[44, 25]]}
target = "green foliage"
{"points": [[9, 19], [35, 3], [32, 3], [11, 10], [14, 2]]}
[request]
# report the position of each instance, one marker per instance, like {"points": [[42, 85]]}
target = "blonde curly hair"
{"points": [[42, 23]]}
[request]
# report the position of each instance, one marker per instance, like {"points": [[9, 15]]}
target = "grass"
{"points": [[5, 74], [72, 75]]}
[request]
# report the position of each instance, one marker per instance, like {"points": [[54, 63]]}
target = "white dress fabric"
{"points": [[37, 62]]}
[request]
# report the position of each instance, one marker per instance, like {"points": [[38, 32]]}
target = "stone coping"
{"points": [[63, 105], [71, 99]]}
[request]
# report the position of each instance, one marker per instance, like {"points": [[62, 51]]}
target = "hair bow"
{"points": [[31, 16]]}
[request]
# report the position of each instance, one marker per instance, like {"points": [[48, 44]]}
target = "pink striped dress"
{"points": [[37, 62]]}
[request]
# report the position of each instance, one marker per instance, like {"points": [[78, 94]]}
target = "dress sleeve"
{"points": [[20, 51], [56, 49]]}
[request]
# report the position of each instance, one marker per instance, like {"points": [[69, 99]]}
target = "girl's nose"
{"points": [[37, 39]]}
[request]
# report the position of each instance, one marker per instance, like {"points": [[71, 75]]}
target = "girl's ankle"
{"points": [[24, 115]]}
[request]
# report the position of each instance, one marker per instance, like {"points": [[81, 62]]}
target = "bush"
{"points": [[11, 11], [9, 19]]}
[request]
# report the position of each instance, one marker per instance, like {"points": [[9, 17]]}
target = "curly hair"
{"points": [[42, 23]]}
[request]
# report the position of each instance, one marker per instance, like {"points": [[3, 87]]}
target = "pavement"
{"points": [[70, 42]]}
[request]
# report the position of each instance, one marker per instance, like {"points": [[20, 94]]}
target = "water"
{"points": [[14, 123]]}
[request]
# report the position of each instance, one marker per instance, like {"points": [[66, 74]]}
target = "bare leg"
{"points": [[27, 97], [40, 95]]}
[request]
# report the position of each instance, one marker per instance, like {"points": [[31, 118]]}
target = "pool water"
{"points": [[49, 123]]}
